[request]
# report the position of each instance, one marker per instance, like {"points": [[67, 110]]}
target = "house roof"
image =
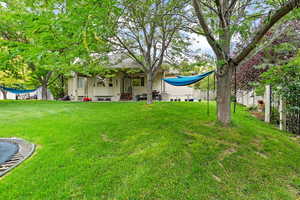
{"points": [[119, 63]]}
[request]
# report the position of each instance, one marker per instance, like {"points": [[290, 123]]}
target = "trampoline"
{"points": [[7, 150], [13, 151]]}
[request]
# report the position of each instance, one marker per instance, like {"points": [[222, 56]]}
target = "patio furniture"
{"points": [[126, 96], [104, 98], [65, 98], [143, 97]]}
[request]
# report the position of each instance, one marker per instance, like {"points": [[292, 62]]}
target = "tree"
{"points": [[278, 48], [16, 75], [221, 22], [11, 79], [285, 81], [54, 33], [13, 70], [147, 31]]}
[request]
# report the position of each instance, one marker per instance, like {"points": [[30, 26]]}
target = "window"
{"points": [[80, 82], [104, 83], [138, 82], [100, 83], [142, 81], [110, 82]]}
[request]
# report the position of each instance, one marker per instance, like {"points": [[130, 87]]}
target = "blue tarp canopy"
{"points": [[16, 91], [187, 80]]}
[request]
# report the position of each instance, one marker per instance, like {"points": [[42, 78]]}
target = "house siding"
{"points": [[114, 92]]}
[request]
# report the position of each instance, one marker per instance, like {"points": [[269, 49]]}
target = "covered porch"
{"points": [[122, 87]]}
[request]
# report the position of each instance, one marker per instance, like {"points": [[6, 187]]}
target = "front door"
{"points": [[126, 89]]}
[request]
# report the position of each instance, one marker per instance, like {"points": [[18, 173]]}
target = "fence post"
{"points": [[268, 104], [253, 95], [282, 111]]}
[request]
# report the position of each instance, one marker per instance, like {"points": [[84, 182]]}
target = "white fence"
{"points": [[248, 98], [202, 94]]}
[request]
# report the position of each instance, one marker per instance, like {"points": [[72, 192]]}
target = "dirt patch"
{"points": [[217, 178], [227, 153], [262, 155], [294, 191], [105, 138], [222, 166], [296, 138], [257, 143], [258, 115]]}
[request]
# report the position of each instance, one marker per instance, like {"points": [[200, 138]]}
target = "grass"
{"points": [[133, 151]]}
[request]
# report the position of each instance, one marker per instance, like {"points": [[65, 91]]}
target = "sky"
{"points": [[199, 43]]}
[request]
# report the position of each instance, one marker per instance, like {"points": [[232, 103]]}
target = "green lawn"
{"points": [[132, 151]]}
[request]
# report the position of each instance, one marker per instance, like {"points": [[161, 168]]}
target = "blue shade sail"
{"points": [[187, 80], [16, 91]]}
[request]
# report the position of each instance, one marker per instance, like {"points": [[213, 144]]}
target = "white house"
{"points": [[124, 86], [121, 87]]}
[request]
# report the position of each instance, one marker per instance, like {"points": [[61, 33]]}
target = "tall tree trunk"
{"points": [[224, 96], [4, 94], [44, 91], [149, 87]]}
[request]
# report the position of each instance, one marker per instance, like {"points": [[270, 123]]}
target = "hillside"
{"points": [[135, 151]]}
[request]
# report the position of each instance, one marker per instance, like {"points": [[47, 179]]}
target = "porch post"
{"points": [[75, 86], [164, 83], [86, 87], [268, 104], [94, 83], [282, 111]]}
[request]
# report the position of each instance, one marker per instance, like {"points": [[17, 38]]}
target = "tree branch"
{"points": [[130, 52], [279, 14], [207, 32], [231, 7]]}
